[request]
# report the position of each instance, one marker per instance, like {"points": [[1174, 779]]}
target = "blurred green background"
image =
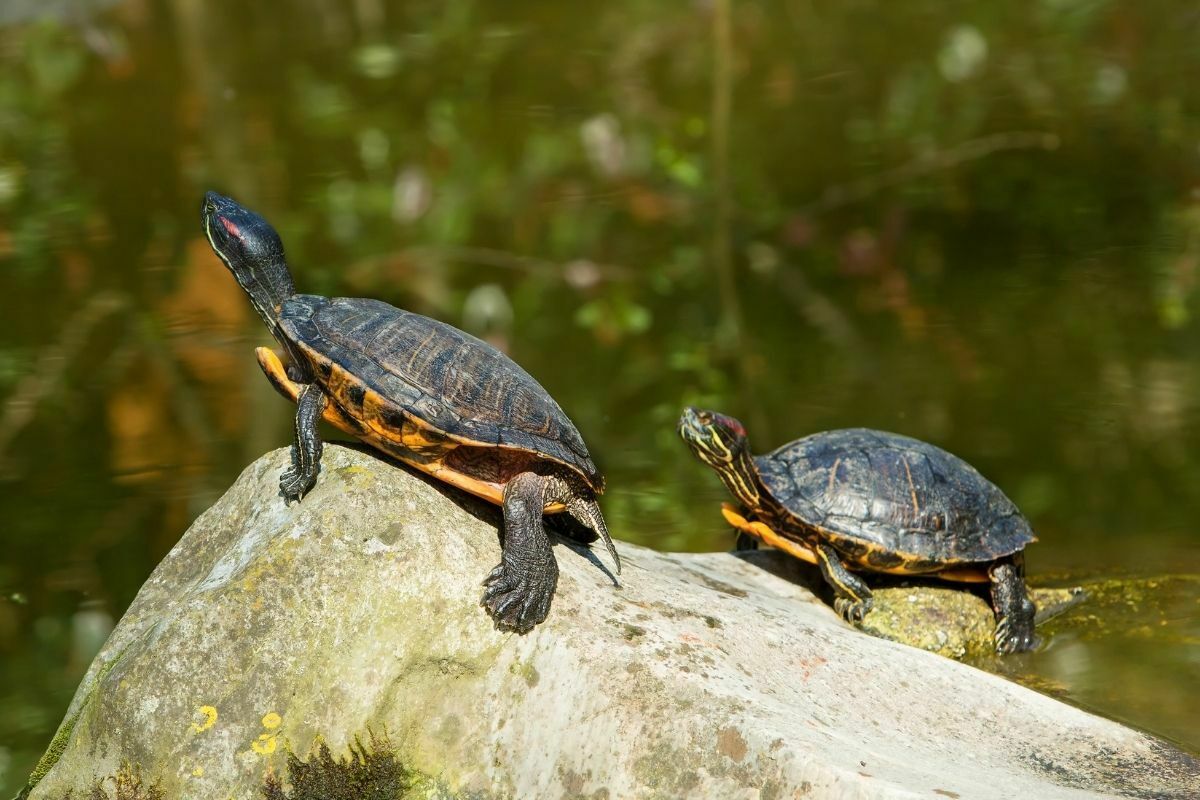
{"points": [[974, 223]]}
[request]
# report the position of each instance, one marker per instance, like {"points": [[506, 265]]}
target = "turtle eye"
{"points": [[704, 417]]}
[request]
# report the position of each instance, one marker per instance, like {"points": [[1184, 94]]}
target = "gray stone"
{"points": [[271, 629]]}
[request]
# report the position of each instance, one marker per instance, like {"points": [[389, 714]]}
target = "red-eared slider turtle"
{"points": [[868, 500], [427, 394]]}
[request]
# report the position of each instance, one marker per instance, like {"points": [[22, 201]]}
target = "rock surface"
{"points": [[271, 629]]}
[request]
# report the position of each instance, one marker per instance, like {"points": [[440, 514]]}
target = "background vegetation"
{"points": [[974, 223]]}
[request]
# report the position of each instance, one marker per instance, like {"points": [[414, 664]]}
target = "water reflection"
{"points": [[973, 226]]}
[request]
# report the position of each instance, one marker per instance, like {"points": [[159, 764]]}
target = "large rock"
{"points": [[352, 621]]}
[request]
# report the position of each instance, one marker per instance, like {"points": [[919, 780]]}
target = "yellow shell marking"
{"points": [[412, 443], [768, 536]]}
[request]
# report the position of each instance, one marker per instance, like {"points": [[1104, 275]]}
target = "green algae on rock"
{"points": [[949, 620], [952, 620]]}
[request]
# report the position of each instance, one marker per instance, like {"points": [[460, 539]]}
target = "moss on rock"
{"points": [[369, 771], [949, 620]]}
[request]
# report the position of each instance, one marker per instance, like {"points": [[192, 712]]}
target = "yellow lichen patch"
{"points": [[208, 718], [255, 573], [271, 720], [264, 745], [198, 772]]}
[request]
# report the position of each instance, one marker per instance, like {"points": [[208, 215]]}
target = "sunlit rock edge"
{"points": [[271, 629]]}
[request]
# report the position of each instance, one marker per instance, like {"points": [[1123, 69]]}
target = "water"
{"points": [[977, 226]]}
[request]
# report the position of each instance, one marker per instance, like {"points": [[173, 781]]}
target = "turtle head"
{"points": [[722, 443], [244, 240], [252, 250], [716, 439]]}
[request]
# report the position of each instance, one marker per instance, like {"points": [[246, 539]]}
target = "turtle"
{"points": [[862, 500], [427, 394]]}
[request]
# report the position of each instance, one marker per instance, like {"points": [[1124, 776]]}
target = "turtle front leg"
{"points": [[852, 596], [1014, 610], [520, 588], [306, 452]]}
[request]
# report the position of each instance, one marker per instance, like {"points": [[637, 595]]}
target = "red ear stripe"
{"points": [[229, 226], [732, 424]]}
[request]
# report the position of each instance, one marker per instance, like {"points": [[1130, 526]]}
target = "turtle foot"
{"points": [[519, 599], [1014, 632], [294, 485], [852, 610]]}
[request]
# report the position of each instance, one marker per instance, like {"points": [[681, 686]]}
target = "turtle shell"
{"points": [[892, 501], [434, 374]]}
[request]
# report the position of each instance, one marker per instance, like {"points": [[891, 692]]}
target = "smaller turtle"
{"points": [[425, 393], [865, 500]]}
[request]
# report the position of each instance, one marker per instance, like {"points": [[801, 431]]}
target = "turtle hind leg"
{"points": [[519, 590], [306, 452], [1014, 610], [852, 596], [587, 511], [744, 541]]}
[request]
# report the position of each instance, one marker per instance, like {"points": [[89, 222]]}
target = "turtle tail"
{"points": [[587, 511]]}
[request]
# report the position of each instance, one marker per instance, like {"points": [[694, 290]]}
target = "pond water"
{"points": [[976, 225]]}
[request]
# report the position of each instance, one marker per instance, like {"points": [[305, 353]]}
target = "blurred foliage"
{"points": [[974, 223]]}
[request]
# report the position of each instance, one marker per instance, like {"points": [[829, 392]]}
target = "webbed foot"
{"points": [[519, 599], [1014, 631], [520, 588]]}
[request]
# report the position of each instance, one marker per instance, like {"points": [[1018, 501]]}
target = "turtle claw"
{"points": [[294, 485], [1014, 635], [852, 610], [494, 575], [518, 601]]}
